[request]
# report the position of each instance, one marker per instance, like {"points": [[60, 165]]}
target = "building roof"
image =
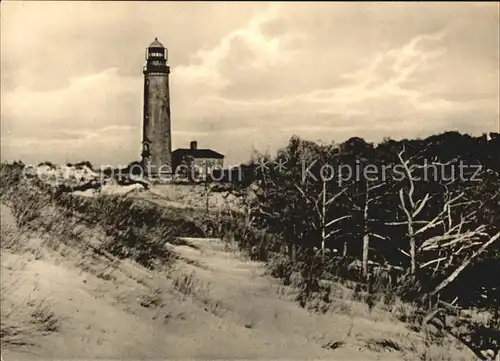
{"points": [[156, 44], [198, 153]]}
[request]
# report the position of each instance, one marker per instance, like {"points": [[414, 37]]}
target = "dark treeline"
{"points": [[425, 212]]}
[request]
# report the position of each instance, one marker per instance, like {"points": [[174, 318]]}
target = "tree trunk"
{"points": [[366, 239], [413, 256], [207, 197], [323, 223], [366, 243], [291, 252], [291, 246]]}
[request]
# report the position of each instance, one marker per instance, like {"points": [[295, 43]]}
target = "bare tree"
{"points": [[369, 197], [322, 203], [448, 240]]}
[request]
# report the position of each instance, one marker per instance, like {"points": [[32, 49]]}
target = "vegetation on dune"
{"points": [[105, 227], [132, 229]]}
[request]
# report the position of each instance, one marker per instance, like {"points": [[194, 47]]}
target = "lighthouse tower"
{"points": [[157, 138]]}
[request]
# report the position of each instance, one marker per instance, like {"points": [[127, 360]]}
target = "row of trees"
{"points": [[427, 209]]}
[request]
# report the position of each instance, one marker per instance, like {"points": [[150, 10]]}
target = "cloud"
{"points": [[109, 145], [377, 87], [95, 100]]}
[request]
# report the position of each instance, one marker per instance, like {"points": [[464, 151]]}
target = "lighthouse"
{"points": [[157, 137]]}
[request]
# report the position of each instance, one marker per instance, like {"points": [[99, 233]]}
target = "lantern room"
{"points": [[156, 51], [156, 59]]}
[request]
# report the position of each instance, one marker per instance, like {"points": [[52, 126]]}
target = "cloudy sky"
{"points": [[244, 75]]}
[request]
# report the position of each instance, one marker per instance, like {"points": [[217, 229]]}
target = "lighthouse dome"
{"points": [[156, 44]]}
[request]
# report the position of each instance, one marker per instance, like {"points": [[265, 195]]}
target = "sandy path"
{"points": [[251, 299], [233, 312]]}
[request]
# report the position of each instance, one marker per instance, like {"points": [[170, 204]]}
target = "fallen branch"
{"points": [[464, 264]]}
